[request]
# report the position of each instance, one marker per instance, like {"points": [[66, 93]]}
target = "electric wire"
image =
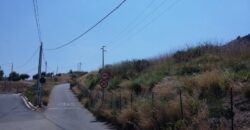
{"points": [[37, 20], [88, 30], [133, 22], [29, 59], [152, 21]]}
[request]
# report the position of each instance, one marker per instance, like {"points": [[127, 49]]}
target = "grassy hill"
{"points": [[145, 94]]}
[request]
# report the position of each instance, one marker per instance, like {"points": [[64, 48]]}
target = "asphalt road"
{"points": [[64, 112]]}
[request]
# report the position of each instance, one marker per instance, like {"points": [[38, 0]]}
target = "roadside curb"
{"points": [[29, 104]]}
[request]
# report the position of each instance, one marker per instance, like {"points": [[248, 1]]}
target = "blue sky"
{"points": [[139, 29]]}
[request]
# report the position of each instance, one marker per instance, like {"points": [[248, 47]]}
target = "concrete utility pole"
{"points": [[46, 65], [103, 51], [39, 85], [80, 66], [12, 67], [56, 69]]}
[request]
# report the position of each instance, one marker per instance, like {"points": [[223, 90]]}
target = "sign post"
{"points": [[104, 83]]}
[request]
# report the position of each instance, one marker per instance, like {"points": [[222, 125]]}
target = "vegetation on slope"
{"points": [[145, 94]]}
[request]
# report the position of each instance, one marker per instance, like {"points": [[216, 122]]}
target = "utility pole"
{"points": [[39, 85], [80, 66], [103, 51], [46, 65], [56, 69], [12, 67]]}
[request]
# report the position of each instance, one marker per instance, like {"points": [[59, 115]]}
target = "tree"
{"points": [[24, 76], [14, 76], [1, 74], [35, 77]]}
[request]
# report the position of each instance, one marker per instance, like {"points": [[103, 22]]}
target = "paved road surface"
{"points": [[64, 112]]}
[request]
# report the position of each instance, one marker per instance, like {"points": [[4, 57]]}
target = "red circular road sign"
{"points": [[105, 75], [104, 83]]}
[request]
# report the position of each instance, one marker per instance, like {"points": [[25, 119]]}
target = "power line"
{"points": [[130, 30], [28, 60], [88, 30], [136, 20], [36, 15], [152, 20]]}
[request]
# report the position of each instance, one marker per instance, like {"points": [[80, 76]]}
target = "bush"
{"points": [[92, 81], [216, 112], [136, 87], [191, 53], [239, 67], [212, 84], [127, 69], [247, 93], [13, 76], [1, 74], [242, 75], [188, 70], [30, 93], [150, 79], [114, 83]]}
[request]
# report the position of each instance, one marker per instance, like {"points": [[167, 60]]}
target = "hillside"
{"points": [[189, 89]]}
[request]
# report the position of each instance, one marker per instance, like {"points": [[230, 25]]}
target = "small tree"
{"points": [[14, 76], [1, 75], [35, 77], [24, 76]]}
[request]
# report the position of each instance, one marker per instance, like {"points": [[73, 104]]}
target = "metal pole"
{"points": [[181, 105], [232, 111], [103, 50], [39, 85]]}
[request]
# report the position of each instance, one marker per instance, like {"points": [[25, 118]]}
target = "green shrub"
{"points": [[242, 75], [194, 106], [30, 93], [239, 67], [191, 53], [247, 93], [127, 69], [136, 87], [150, 79], [92, 81], [216, 111], [114, 83], [188, 70]]}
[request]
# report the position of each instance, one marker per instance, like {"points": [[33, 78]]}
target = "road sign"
{"points": [[104, 83], [105, 75], [42, 80], [104, 79]]}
